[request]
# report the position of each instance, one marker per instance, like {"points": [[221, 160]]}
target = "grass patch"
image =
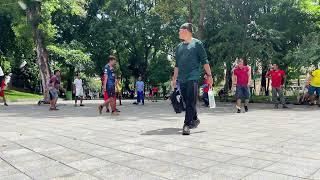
{"points": [[13, 95]]}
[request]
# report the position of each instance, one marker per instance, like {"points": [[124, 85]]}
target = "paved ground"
{"points": [[145, 142]]}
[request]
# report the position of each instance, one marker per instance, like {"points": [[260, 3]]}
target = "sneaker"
{"points": [[115, 113], [186, 130], [107, 111], [53, 109], [239, 110], [81, 105], [100, 109], [276, 106], [118, 110], [6, 104], [196, 124], [246, 108], [285, 107]]}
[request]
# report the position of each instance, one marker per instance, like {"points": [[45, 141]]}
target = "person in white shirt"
{"points": [[78, 89], [1, 72]]}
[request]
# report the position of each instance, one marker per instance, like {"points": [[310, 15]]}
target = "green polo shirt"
{"points": [[189, 58]]}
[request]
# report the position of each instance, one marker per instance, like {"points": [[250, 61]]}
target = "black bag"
{"points": [[176, 101]]}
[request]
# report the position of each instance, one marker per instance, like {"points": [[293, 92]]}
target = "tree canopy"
{"points": [[79, 35]]}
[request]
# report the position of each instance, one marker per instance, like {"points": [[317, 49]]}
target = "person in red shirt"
{"points": [[241, 79], [2, 87], [278, 77], [155, 91], [205, 87]]}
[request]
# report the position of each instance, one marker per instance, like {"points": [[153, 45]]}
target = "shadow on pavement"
{"points": [[168, 131]]}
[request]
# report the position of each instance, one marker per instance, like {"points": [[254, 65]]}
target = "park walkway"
{"points": [[145, 142]]}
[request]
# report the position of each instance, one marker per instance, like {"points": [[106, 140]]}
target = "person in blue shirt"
{"points": [[109, 84], [140, 91]]}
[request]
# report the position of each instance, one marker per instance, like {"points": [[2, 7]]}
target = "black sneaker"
{"points": [[186, 130], [6, 104], [246, 108], [285, 107], [196, 124], [276, 106], [118, 110], [107, 111], [239, 111]]}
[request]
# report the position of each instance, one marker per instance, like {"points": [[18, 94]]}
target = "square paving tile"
{"points": [[229, 170], [89, 164]]}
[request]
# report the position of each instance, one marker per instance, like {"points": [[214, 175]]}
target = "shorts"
{"points": [[105, 95], [111, 91], [53, 93], [79, 92], [3, 85], [313, 89], [242, 92]]}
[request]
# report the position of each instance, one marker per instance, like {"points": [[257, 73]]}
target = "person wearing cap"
{"points": [[190, 55]]}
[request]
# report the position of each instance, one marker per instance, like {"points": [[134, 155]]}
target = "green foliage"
{"points": [[71, 55], [160, 70], [81, 34]]}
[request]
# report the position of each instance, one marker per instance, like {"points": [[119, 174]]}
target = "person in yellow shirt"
{"points": [[119, 89], [314, 86]]}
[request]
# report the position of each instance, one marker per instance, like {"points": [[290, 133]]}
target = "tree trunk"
{"points": [[201, 19], [33, 15], [190, 12], [228, 81], [264, 80]]}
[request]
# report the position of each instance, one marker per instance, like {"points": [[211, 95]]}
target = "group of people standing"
{"points": [[190, 58], [190, 54]]}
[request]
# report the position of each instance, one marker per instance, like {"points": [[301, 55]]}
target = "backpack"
{"points": [[176, 101]]}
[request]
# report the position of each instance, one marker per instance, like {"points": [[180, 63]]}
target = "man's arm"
{"points": [[234, 79], [268, 75], [174, 78], [249, 73], [284, 78], [208, 72], [74, 86], [105, 82]]}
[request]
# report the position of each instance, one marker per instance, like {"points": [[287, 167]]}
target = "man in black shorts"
{"points": [[109, 86]]}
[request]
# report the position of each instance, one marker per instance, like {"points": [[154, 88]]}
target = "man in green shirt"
{"points": [[190, 55]]}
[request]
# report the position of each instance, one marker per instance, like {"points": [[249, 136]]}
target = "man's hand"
{"points": [[174, 84], [210, 82]]}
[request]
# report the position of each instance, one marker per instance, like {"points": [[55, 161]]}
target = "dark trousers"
{"points": [[140, 97], [205, 98], [189, 92]]}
